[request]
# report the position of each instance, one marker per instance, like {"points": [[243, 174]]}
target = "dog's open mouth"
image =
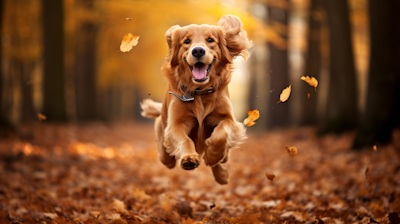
{"points": [[200, 71]]}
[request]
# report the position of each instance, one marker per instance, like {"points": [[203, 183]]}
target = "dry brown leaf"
{"points": [[252, 116], [270, 176], [50, 215], [128, 41], [311, 81], [291, 150], [375, 148], [41, 117], [367, 174], [308, 96], [140, 195], [118, 205], [285, 94]]}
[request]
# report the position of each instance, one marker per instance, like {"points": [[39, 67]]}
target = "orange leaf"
{"points": [[291, 150], [285, 94], [253, 115], [308, 96], [311, 81], [128, 41], [41, 117], [375, 148], [270, 176]]}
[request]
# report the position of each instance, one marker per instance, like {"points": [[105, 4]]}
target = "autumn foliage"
{"points": [[97, 173]]}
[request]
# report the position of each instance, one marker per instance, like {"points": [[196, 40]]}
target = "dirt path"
{"points": [[110, 173]]}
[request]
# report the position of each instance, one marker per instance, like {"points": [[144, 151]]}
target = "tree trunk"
{"points": [[308, 109], [382, 108], [54, 106], [279, 114], [342, 94], [85, 77]]}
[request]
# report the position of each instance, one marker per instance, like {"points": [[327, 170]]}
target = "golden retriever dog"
{"points": [[196, 117]]}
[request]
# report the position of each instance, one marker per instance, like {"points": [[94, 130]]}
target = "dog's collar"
{"points": [[189, 97]]}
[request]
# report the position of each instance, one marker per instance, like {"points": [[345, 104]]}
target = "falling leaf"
{"points": [[374, 148], [291, 150], [311, 81], [285, 94], [270, 176], [308, 96], [252, 116], [127, 18], [367, 174], [41, 117], [118, 205], [128, 41]]}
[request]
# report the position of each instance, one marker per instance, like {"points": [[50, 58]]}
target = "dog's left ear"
{"points": [[236, 38], [173, 45]]}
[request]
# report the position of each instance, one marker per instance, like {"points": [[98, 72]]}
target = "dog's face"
{"points": [[198, 53]]}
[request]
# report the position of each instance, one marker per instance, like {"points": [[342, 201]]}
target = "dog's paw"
{"points": [[168, 161], [190, 162], [221, 174]]}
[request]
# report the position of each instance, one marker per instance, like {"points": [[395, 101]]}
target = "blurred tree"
{"points": [[308, 109], [278, 15], [85, 57], [342, 94], [54, 106], [382, 107], [3, 119]]}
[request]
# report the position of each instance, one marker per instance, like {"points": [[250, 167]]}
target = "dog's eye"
{"points": [[210, 40], [187, 41]]}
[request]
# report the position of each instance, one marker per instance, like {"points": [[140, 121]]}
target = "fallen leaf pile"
{"points": [[110, 173], [128, 42]]}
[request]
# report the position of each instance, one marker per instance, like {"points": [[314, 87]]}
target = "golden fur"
{"points": [[205, 127]]}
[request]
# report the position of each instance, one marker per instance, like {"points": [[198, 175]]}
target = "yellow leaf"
{"points": [[252, 116], [270, 176], [285, 94], [41, 117], [311, 81], [128, 41], [291, 150]]}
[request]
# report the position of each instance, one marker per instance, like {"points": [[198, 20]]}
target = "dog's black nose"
{"points": [[198, 52]]}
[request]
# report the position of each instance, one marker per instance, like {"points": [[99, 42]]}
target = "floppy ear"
{"points": [[236, 38], [173, 45]]}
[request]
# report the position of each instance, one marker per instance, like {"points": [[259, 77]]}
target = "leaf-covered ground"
{"points": [[110, 173]]}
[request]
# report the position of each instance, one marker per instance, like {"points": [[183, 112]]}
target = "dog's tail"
{"points": [[150, 108]]}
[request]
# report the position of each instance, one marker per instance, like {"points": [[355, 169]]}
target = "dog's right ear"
{"points": [[173, 45]]}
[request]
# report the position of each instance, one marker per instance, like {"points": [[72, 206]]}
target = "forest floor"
{"points": [[110, 173]]}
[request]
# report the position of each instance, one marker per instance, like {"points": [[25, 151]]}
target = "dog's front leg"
{"points": [[228, 134], [177, 141]]}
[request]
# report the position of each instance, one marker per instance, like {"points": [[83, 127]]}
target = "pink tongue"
{"points": [[199, 71]]}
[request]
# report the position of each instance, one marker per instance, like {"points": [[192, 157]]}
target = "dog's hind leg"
{"points": [[220, 171], [165, 158]]}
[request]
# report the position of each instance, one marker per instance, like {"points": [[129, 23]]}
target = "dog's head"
{"points": [[200, 54]]}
